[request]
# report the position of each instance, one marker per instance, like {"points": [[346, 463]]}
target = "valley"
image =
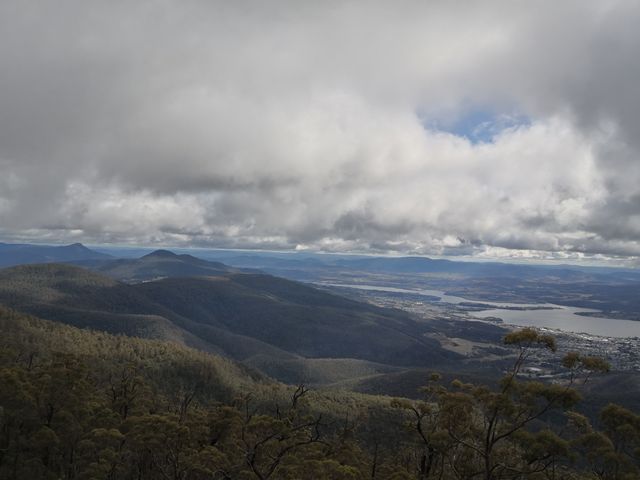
{"points": [[622, 351], [289, 330], [168, 346], [340, 322]]}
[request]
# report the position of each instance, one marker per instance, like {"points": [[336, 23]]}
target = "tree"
{"points": [[474, 431], [268, 441], [614, 452]]}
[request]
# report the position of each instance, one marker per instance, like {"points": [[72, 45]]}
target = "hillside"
{"points": [[84, 404], [80, 404], [160, 264], [79, 297], [297, 318], [272, 324], [26, 337]]}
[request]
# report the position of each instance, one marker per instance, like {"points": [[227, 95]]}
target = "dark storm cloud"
{"points": [[293, 124]]}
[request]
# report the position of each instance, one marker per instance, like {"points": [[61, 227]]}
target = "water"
{"points": [[556, 317]]}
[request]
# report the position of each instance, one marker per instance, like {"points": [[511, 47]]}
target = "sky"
{"points": [[497, 129]]}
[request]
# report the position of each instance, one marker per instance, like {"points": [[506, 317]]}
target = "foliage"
{"points": [[273, 324], [78, 404]]}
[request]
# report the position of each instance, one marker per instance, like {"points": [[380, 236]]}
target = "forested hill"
{"points": [[79, 405], [278, 326], [159, 264]]}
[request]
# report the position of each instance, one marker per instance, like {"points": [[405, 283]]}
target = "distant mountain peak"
{"points": [[24, 253], [161, 254]]}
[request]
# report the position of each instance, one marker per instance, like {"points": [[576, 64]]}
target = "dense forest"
{"points": [[79, 404], [290, 331]]}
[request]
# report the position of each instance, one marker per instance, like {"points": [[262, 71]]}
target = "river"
{"points": [[555, 316]]}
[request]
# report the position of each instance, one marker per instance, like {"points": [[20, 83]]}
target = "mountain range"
{"points": [[286, 329], [290, 331], [19, 254]]}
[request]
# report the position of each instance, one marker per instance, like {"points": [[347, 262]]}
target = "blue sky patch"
{"points": [[478, 125]]}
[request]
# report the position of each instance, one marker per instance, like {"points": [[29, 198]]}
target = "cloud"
{"points": [[330, 125]]}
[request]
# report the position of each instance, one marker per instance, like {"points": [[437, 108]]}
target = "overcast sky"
{"points": [[492, 129]]}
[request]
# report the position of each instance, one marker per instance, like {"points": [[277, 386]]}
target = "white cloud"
{"points": [[294, 125]]}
